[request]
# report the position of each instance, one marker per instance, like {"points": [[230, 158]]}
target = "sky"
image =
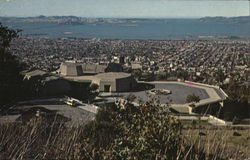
{"points": [[125, 8]]}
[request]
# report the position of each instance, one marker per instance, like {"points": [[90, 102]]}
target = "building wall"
{"points": [[79, 70], [70, 69], [63, 69], [116, 85], [111, 83], [93, 68], [55, 87], [79, 90], [125, 84]]}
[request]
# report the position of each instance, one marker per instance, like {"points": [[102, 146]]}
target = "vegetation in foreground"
{"points": [[118, 132]]}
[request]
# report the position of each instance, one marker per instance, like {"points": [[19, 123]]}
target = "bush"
{"points": [[192, 98], [146, 131]]}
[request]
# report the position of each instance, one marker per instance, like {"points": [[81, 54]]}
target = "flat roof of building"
{"points": [[108, 76], [86, 79], [112, 75], [180, 91]]}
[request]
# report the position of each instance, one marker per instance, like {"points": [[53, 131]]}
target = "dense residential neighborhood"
{"points": [[196, 60]]}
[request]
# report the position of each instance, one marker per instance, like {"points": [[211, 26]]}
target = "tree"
{"points": [[182, 74], [114, 67], [93, 87], [192, 98], [149, 132], [131, 98], [6, 36], [137, 74], [10, 67], [127, 131], [220, 76], [92, 91]]}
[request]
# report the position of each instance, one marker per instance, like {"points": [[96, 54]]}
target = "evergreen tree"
{"points": [[10, 78]]}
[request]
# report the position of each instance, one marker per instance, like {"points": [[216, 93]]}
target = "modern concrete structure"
{"points": [[93, 68], [48, 84], [34, 74], [70, 69], [210, 96], [180, 90], [53, 85], [93, 73], [114, 82]]}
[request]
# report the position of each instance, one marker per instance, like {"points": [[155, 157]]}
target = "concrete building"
{"points": [[70, 69], [114, 82], [93, 68], [41, 83], [34, 74], [53, 85], [78, 69], [109, 78]]}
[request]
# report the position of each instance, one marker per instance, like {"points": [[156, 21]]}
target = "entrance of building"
{"points": [[106, 88]]}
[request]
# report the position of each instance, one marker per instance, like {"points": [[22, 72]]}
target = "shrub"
{"points": [[192, 98], [146, 131]]}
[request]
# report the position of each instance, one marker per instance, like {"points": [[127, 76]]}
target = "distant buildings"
{"points": [[199, 58]]}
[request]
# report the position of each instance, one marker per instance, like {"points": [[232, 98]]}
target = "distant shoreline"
{"points": [[205, 38], [158, 29], [81, 20]]}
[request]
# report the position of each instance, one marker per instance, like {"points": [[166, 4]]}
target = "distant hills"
{"points": [[68, 20], [79, 20], [242, 19]]}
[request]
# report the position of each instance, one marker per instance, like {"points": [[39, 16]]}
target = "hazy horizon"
{"points": [[124, 9], [121, 17]]}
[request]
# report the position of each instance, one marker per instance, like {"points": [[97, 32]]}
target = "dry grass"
{"points": [[40, 139], [220, 142]]}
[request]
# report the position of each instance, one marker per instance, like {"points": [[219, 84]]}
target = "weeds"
{"points": [[130, 133]]}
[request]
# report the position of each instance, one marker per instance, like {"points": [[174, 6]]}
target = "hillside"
{"points": [[239, 20]]}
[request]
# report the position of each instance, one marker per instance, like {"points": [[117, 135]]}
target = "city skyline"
{"points": [[124, 9]]}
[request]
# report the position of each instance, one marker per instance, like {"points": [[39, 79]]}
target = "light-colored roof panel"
{"points": [[112, 75]]}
